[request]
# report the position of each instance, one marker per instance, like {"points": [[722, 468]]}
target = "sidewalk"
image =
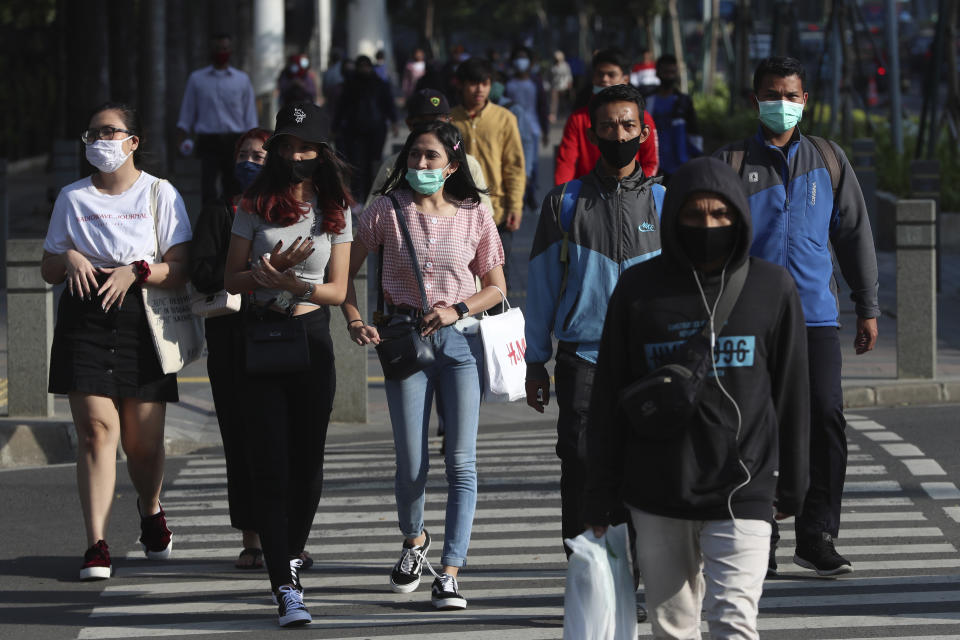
{"points": [[868, 380]]}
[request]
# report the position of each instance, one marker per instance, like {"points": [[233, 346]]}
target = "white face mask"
{"points": [[107, 155]]}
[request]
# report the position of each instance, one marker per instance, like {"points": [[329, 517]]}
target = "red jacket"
{"points": [[577, 156]]}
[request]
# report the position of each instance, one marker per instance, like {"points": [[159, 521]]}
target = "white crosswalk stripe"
{"points": [[907, 571]]}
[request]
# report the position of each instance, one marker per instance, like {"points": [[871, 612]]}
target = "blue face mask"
{"points": [[426, 181], [246, 173], [780, 115], [521, 64]]}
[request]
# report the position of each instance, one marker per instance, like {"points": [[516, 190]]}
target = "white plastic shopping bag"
{"points": [[504, 344], [599, 602]]}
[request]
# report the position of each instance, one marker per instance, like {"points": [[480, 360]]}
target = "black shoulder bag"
{"points": [[403, 351], [660, 404]]}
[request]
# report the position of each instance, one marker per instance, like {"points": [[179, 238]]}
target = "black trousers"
{"points": [[828, 440], [574, 384], [364, 151], [224, 367], [217, 159], [286, 432]]}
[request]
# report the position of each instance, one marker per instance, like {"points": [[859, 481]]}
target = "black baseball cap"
{"points": [[427, 102], [301, 119]]}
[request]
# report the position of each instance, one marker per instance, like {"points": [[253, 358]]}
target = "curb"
{"points": [[897, 393], [29, 442]]}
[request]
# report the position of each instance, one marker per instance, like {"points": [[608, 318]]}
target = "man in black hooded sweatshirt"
{"points": [[701, 491]]}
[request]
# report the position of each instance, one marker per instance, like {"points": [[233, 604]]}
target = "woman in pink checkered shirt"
{"points": [[455, 241]]}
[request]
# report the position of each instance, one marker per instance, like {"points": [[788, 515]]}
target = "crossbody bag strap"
{"points": [[154, 200], [413, 254], [731, 292]]}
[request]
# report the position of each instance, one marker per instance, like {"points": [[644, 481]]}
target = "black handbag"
{"points": [[660, 404], [276, 346], [403, 351]]}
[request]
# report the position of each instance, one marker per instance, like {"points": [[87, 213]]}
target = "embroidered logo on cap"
{"points": [[435, 101], [299, 115]]}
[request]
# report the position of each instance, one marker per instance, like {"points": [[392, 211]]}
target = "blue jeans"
{"points": [[456, 378]]}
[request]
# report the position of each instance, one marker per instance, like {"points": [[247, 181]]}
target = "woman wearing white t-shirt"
{"points": [[102, 242]]}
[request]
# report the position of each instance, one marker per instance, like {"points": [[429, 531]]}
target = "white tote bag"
{"points": [[177, 332], [213, 305], [504, 345], [599, 601]]}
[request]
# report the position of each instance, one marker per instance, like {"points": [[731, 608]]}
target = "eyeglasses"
{"points": [[101, 133]]}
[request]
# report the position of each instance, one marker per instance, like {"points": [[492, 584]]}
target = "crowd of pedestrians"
{"points": [[685, 301]]}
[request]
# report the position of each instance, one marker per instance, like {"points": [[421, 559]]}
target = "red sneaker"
{"points": [[155, 537], [96, 562]]}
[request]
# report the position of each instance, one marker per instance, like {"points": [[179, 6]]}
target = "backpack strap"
{"points": [[658, 191], [829, 156], [568, 206], [738, 156]]}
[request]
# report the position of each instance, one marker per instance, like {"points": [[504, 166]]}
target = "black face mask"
{"points": [[706, 245], [300, 170], [618, 154]]}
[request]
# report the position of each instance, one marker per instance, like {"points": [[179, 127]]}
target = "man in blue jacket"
{"points": [[805, 199], [590, 230]]}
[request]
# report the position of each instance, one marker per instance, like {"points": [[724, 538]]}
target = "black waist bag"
{"points": [[276, 347], [402, 350], [660, 404]]}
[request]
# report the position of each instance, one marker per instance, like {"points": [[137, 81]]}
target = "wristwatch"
{"points": [[462, 309], [308, 293]]}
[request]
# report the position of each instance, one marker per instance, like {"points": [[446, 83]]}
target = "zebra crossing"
{"points": [[906, 580]]}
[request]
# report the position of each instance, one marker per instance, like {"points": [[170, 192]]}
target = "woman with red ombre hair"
{"points": [[290, 247], [208, 258]]}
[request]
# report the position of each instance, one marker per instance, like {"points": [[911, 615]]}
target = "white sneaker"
{"points": [[292, 611]]}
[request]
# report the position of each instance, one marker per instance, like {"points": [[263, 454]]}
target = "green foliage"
{"points": [[717, 125]]}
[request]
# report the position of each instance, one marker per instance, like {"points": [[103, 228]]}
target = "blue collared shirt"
{"points": [[218, 101]]}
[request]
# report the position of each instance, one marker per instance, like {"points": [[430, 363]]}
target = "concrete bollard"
{"points": [[925, 184], [4, 219], [350, 401], [29, 330], [916, 289]]}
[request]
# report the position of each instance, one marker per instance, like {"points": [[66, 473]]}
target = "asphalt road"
{"points": [[900, 529]]}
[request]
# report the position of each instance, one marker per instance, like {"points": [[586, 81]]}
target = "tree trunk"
{"points": [[677, 44], [176, 66], [123, 51], [714, 42], [153, 92], [952, 112]]}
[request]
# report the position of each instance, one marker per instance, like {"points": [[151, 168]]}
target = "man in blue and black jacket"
{"points": [[590, 230], [805, 199]]}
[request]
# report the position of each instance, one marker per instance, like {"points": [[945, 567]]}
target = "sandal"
{"points": [[306, 560], [256, 559]]}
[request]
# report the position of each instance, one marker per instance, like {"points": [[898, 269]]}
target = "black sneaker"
{"points": [[291, 609], [295, 566], [822, 557], [405, 576], [445, 594], [641, 613]]}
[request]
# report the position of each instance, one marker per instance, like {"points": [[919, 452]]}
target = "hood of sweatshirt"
{"points": [[713, 176]]}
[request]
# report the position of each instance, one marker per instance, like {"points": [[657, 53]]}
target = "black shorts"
{"points": [[107, 354]]}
